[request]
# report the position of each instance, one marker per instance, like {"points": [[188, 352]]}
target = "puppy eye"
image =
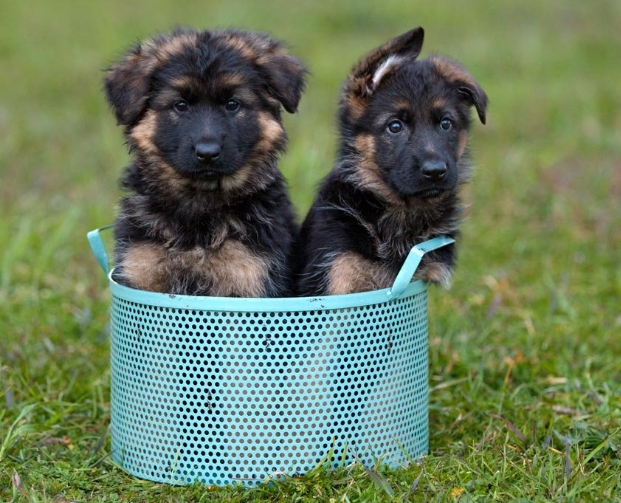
{"points": [[446, 123], [395, 127], [181, 106], [232, 105]]}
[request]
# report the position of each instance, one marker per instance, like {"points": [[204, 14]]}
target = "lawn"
{"points": [[525, 348]]}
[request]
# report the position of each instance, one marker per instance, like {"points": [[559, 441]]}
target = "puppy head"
{"points": [[205, 106], [407, 120]]}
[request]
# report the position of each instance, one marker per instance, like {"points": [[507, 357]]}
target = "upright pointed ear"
{"points": [[286, 75], [381, 62], [127, 83], [465, 84]]}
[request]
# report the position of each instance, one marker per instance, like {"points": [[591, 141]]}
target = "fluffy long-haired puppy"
{"points": [[403, 155], [207, 211]]}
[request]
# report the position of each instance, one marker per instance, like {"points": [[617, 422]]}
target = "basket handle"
{"points": [[98, 248], [412, 262]]}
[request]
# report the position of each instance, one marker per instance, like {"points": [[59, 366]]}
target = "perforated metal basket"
{"points": [[219, 390]]}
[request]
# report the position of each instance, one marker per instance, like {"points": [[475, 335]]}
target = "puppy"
{"points": [[207, 211], [403, 155]]}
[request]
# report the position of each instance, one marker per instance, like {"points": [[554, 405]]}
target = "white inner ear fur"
{"points": [[384, 68]]}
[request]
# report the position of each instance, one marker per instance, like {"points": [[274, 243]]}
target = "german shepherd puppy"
{"points": [[207, 212], [403, 134]]}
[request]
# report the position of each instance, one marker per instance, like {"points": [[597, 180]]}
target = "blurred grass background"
{"points": [[525, 348]]}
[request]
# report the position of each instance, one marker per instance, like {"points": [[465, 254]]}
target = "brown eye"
{"points": [[395, 127], [232, 105], [446, 123], [182, 106]]}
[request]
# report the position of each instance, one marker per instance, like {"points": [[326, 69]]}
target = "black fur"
{"points": [[207, 211], [398, 172]]}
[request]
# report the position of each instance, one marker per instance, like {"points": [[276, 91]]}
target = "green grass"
{"points": [[525, 349]]}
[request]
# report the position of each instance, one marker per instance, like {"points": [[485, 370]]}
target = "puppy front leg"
{"points": [[349, 272]]}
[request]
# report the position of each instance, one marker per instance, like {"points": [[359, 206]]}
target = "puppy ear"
{"points": [[465, 84], [127, 83], [377, 65], [476, 96], [286, 75]]}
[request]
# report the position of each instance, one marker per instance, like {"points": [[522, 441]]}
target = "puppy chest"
{"points": [[397, 232], [229, 270]]}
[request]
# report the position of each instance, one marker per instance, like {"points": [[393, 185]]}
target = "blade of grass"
{"points": [[17, 429]]}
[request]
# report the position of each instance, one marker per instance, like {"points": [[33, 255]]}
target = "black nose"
{"points": [[434, 170], [207, 151]]}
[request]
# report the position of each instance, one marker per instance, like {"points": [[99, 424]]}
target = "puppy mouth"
{"points": [[206, 175], [210, 173], [429, 193]]}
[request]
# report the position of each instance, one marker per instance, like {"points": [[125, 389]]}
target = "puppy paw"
{"points": [[437, 273]]}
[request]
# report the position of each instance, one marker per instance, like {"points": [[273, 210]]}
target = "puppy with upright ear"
{"points": [[207, 211], [404, 126]]}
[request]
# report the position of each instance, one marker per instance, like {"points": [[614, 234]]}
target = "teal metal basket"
{"points": [[219, 390]]}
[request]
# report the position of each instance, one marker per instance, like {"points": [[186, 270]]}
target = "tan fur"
{"points": [[144, 267], [435, 272], [351, 273], [242, 46], [403, 106], [368, 171], [463, 143], [253, 176], [231, 269], [272, 132], [176, 45], [184, 82], [231, 80], [237, 271], [355, 105], [438, 104], [156, 52], [452, 71], [142, 134], [237, 179]]}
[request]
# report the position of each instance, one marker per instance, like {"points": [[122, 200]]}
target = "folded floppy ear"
{"points": [[127, 83], [477, 97], [381, 62], [285, 74], [465, 84]]}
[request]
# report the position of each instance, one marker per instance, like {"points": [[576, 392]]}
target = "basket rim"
{"points": [[265, 305]]}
